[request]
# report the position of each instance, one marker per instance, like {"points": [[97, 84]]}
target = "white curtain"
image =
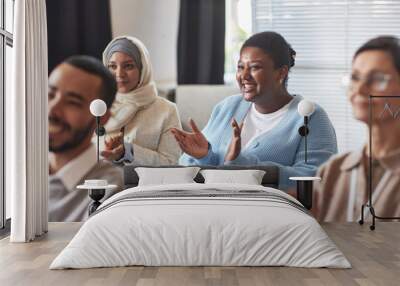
{"points": [[26, 119]]}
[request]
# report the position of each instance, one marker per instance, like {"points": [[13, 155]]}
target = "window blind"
{"points": [[325, 35]]}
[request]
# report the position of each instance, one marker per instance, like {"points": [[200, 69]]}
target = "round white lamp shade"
{"points": [[98, 107], [306, 108]]}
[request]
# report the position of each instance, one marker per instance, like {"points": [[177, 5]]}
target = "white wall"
{"points": [[155, 22]]}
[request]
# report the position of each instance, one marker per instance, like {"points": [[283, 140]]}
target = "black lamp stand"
{"points": [[100, 131], [303, 131], [304, 185], [369, 204], [97, 194]]}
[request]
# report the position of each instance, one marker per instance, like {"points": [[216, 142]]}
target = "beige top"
{"points": [[344, 187], [149, 133]]}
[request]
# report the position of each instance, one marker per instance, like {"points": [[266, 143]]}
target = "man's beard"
{"points": [[78, 136]]}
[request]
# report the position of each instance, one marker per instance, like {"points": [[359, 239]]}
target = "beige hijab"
{"points": [[126, 105]]}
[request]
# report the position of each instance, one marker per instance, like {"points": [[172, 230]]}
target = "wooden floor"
{"points": [[375, 257]]}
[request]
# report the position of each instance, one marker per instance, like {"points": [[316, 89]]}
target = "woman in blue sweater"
{"points": [[260, 126]]}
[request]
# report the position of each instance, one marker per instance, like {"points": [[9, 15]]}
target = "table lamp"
{"points": [[97, 188], [305, 184]]}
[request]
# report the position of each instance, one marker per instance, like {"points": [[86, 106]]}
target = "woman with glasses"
{"points": [[344, 186], [138, 130], [260, 125]]}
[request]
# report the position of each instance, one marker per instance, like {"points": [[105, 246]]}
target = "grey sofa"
{"points": [[197, 101]]}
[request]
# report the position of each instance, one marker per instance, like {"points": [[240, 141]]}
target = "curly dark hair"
{"points": [[274, 45]]}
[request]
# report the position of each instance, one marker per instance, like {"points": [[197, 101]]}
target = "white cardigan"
{"points": [[149, 133]]}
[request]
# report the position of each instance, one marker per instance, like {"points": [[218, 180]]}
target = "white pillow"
{"points": [[166, 176], [248, 177]]}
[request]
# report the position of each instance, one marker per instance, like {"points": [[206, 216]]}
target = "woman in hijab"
{"points": [[138, 130]]}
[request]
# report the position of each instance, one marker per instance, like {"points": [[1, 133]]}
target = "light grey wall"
{"points": [[155, 22]]}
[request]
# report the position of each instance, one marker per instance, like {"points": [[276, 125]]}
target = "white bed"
{"points": [[223, 225]]}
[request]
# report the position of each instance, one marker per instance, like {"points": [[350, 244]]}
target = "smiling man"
{"points": [[73, 85]]}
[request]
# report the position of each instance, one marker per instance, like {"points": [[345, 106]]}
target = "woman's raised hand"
{"points": [[114, 146], [193, 143], [236, 142]]}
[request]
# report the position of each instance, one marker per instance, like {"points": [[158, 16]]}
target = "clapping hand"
{"points": [[192, 143], [114, 146], [236, 142]]}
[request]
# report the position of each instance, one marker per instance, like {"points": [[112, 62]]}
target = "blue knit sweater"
{"points": [[281, 146]]}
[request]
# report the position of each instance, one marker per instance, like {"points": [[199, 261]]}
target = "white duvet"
{"points": [[183, 231]]}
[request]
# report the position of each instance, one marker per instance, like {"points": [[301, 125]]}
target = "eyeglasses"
{"points": [[377, 82]]}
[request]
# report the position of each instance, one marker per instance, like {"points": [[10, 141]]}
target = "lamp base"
{"points": [[305, 190], [305, 193], [96, 195]]}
